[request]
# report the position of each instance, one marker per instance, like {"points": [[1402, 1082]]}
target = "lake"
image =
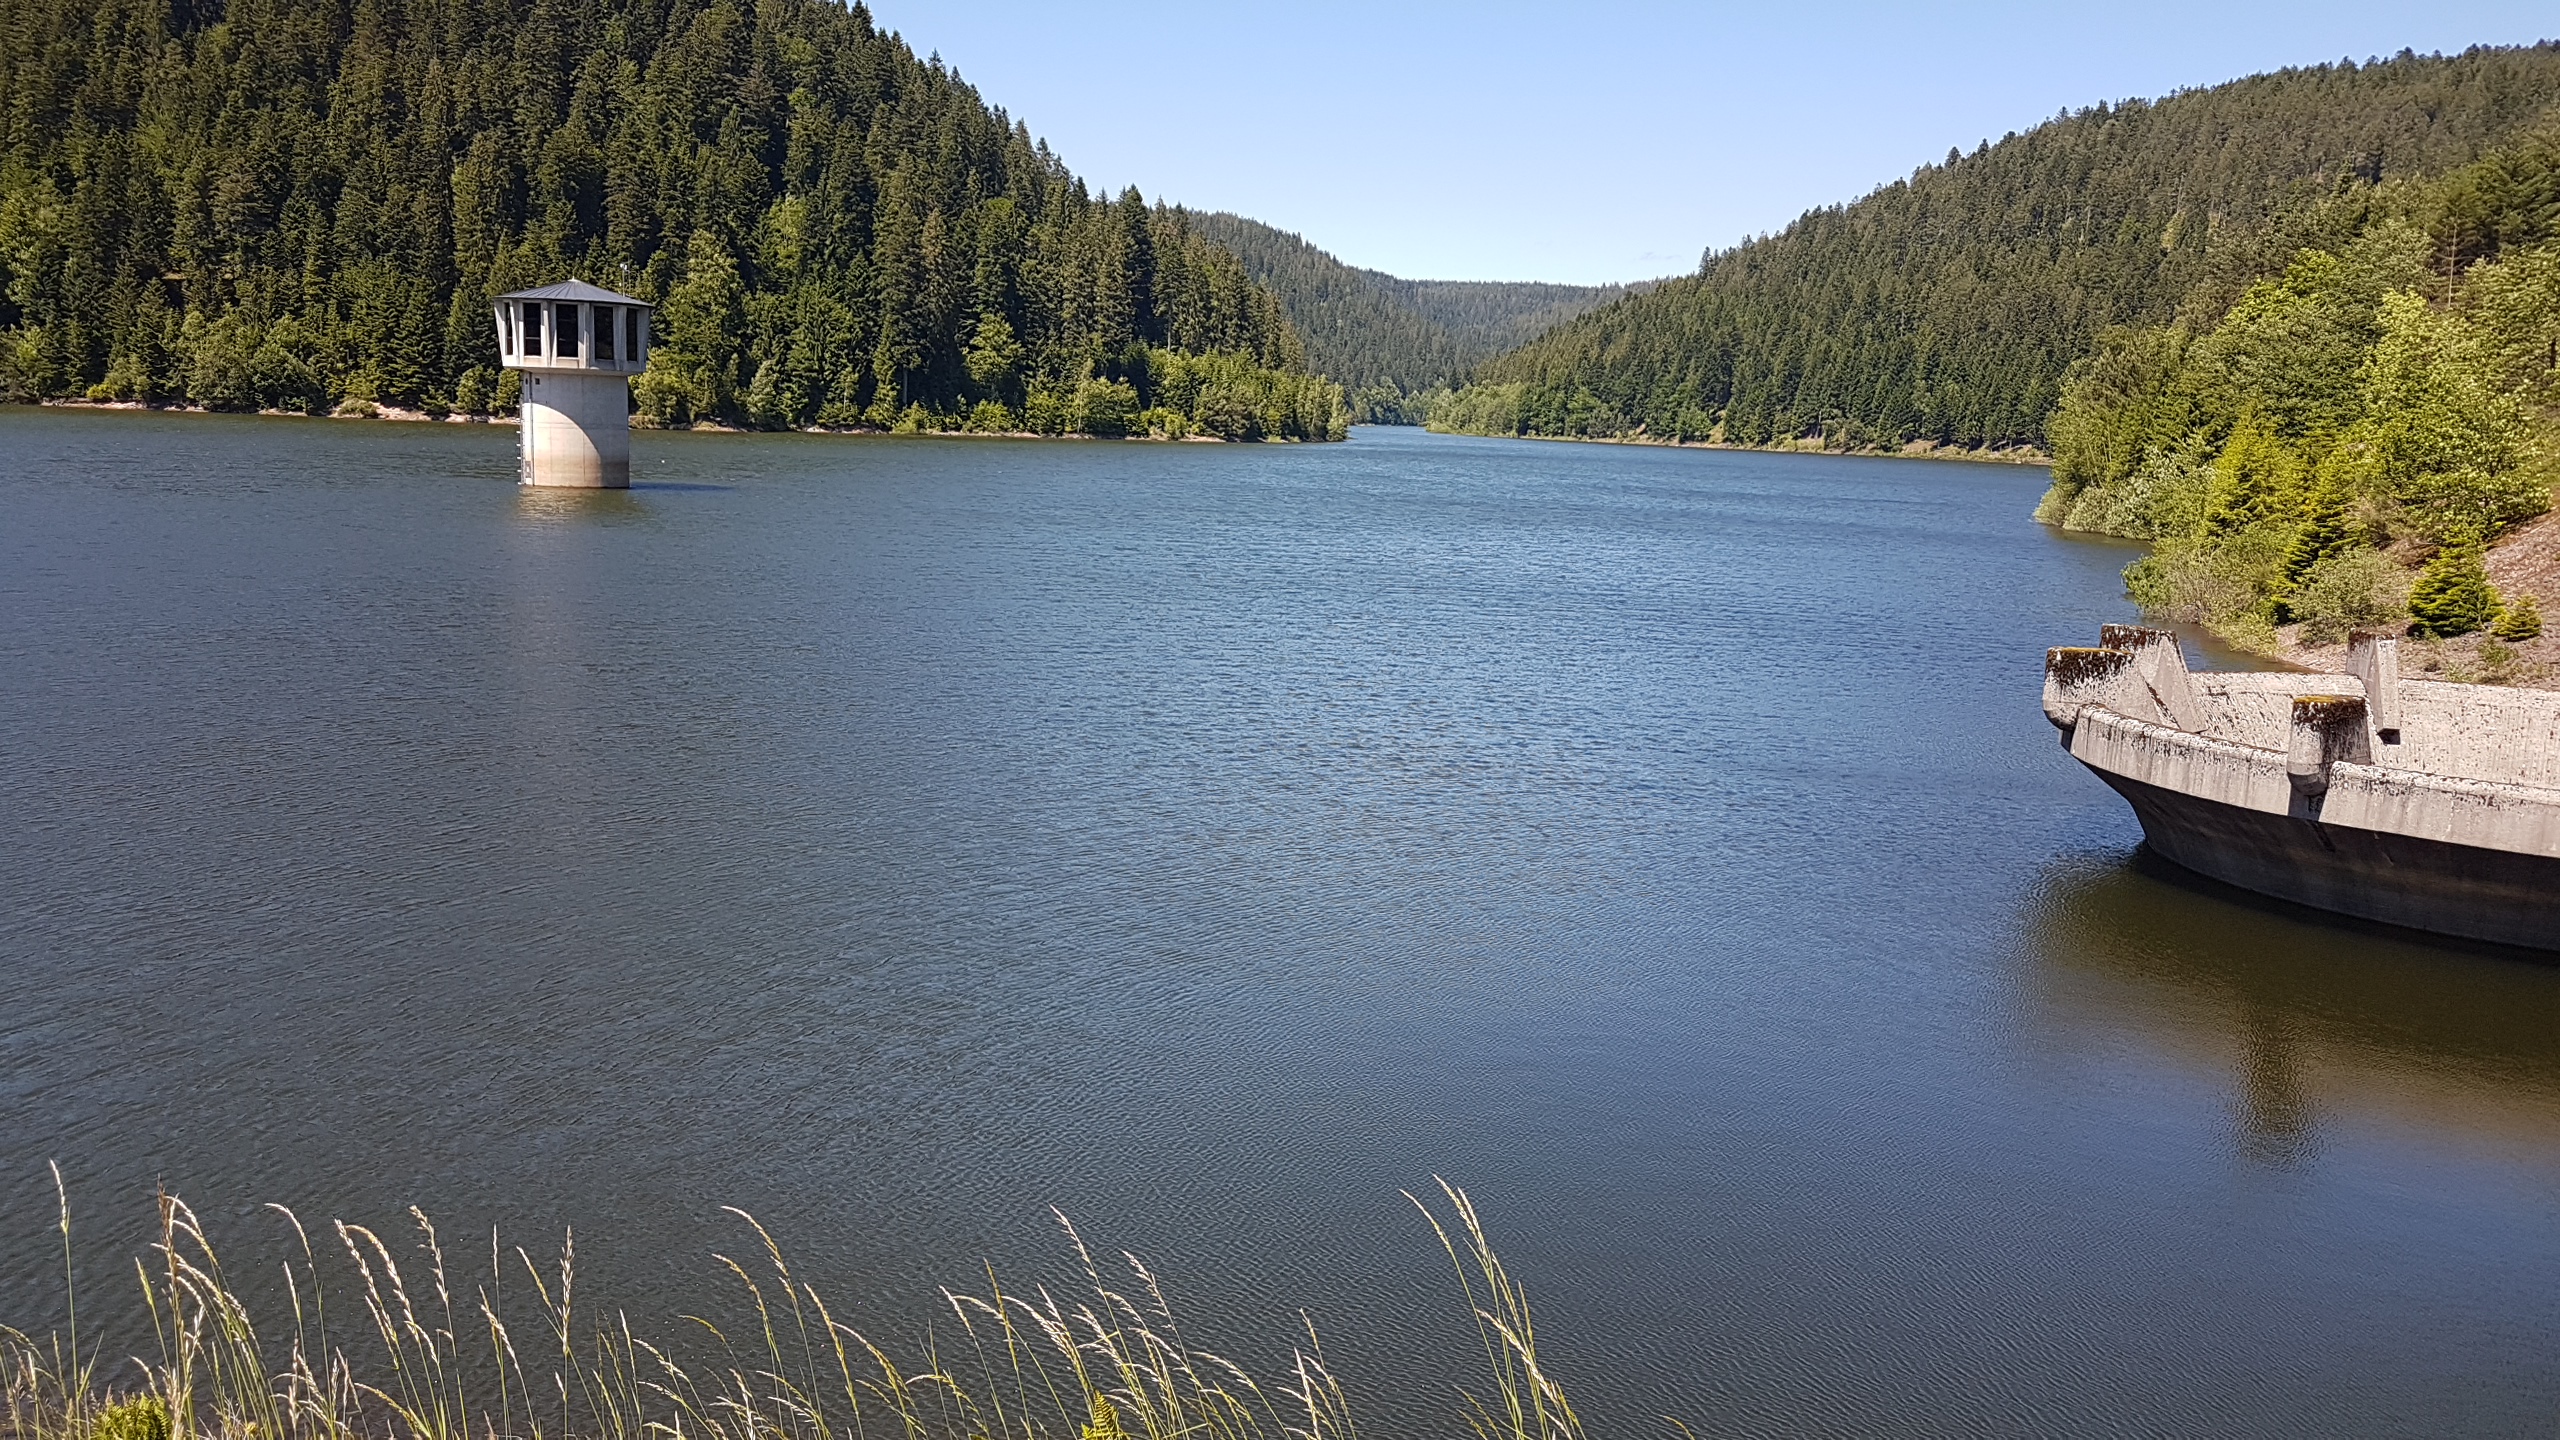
{"points": [[900, 838]]}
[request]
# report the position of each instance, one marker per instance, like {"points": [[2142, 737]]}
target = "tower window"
{"points": [[631, 334], [533, 330], [604, 333], [507, 329], [564, 341]]}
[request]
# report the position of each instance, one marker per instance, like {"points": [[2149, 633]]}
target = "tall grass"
{"points": [[400, 1355]]}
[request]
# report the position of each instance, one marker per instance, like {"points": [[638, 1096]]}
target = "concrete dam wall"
{"points": [[2419, 803]]}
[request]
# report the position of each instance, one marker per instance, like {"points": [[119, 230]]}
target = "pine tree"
{"points": [[2522, 620], [2255, 477], [2453, 595], [2328, 530]]}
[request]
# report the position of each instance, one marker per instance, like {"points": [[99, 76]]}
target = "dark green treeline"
{"points": [[1946, 307], [301, 204]]}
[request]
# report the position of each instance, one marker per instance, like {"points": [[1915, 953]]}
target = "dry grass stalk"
{"points": [[1108, 1362]]}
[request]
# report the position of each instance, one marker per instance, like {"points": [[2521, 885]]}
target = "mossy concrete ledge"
{"points": [[2418, 803]]}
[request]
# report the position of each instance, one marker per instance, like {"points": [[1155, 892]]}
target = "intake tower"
{"points": [[578, 347]]}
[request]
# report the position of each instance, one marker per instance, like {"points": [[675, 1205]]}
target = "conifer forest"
{"points": [[1946, 308], [301, 206]]}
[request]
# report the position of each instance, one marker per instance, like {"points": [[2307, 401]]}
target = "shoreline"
{"points": [[1915, 450], [397, 414]]}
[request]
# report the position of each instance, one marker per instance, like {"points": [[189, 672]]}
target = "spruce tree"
{"points": [[2522, 620], [2453, 595], [2328, 530]]}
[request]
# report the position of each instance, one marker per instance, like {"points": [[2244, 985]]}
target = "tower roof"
{"points": [[576, 290]]}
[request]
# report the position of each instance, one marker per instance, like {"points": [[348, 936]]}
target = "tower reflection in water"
{"points": [[538, 504], [2310, 1022]]}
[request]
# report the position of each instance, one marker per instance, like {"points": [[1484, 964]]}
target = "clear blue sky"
{"points": [[1607, 140]]}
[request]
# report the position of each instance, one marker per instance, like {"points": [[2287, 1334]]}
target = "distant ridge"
{"points": [[1384, 337], [1945, 308]]}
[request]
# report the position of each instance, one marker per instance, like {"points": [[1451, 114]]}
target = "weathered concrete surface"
{"points": [[2520, 819], [2446, 818], [2325, 731], [2244, 777], [577, 430]]}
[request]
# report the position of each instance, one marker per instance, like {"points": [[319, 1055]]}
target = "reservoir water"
{"points": [[898, 839]]}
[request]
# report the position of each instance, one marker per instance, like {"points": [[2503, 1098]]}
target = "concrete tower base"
{"points": [[577, 430]]}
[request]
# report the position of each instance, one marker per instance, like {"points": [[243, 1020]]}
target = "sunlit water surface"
{"points": [[899, 839]]}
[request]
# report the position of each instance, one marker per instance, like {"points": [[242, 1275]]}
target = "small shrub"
{"points": [[2452, 596], [993, 417], [2360, 589], [2192, 584], [2523, 621], [1106, 407], [2167, 496], [1227, 413], [1046, 413], [286, 381], [473, 390]]}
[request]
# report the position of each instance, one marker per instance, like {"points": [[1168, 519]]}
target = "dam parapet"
{"points": [[2421, 803]]}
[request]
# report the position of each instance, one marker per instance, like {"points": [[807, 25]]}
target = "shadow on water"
{"points": [[2304, 1016]]}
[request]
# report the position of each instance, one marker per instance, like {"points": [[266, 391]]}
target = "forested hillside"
{"points": [[303, 204], [2388, 398], [1945, 308], [1489, 317], [1387, 339]]}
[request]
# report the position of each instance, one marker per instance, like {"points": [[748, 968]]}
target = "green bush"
{"points": [[2359, 590], [472, 391], [1228, 413], [2168, 495], [2523, 620], [1493, 409], [993, 417], [2452, 596], [1047, 413], [1106, 407]]}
